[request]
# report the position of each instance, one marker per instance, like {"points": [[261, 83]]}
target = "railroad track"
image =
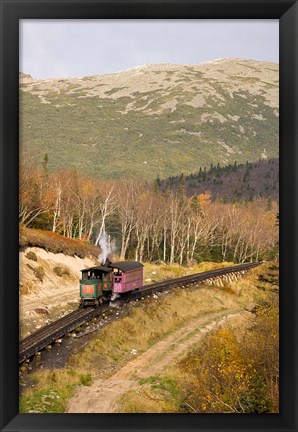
{"points": [[194, 278], [50, 333]]}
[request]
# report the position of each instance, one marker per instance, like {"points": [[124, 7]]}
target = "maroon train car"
{"points": [[127, 276]]}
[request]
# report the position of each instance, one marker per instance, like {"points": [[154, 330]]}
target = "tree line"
{"points": [[232, 182], [146, 223]]}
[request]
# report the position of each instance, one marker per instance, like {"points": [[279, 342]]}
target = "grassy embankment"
{"points": [[116, 344]]}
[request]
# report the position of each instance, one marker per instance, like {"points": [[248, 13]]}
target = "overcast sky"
{"points": [[63, 48]]}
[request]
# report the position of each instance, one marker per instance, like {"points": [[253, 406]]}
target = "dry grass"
{"points": [[148, 400], [150, 322], [159, 272], [51, 389]]}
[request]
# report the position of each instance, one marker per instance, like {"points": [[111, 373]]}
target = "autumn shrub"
{"points": [[228, 373], [56, 243], [31, 256], [220, 375], [39, 273], [61, 271]]}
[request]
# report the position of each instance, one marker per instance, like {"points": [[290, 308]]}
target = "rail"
{"points": [[53, 331]]}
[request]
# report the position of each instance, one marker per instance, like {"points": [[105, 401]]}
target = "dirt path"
{"points": [[59, 297], [102, 395]]}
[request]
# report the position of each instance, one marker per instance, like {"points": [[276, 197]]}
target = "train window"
{"points": [[118, 273]]}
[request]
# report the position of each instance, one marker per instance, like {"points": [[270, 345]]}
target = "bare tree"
{"points": [[127, 196], [107, 207]]}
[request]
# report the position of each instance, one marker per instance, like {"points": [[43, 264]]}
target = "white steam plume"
{"points": [[107, 247]]}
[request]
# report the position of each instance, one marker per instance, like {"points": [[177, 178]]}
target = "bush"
{"points": [[39, 273], [86, 380], [31, 256], [60, 271]]}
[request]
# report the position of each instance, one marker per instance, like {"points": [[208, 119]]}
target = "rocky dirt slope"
{"points": [[48, 286]]}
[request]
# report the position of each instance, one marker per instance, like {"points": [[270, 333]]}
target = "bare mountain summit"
{"points": [[152, 120]]}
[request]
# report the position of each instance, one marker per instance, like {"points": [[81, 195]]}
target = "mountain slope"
{"points": [[230, 183], [153, 120]]}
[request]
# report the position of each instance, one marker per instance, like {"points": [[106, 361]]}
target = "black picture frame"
{"points": [[14, 10]]}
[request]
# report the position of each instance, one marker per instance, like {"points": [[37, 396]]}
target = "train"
{"points": [[109, 281]]}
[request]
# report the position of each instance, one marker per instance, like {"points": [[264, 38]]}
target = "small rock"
{"points": [[42, 311]]}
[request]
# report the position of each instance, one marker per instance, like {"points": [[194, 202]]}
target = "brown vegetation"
{"points": [[53, 242]]}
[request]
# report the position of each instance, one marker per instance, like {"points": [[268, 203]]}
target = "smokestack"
{"points": [[108, 262]]}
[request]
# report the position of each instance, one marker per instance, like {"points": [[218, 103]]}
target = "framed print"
{"points": [[141, 144]]}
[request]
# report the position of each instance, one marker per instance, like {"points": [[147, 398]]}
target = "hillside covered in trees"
{"points": [[232, 182]]}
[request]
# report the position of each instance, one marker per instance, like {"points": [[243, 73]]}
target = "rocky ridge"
{"points": [[165, 118]]}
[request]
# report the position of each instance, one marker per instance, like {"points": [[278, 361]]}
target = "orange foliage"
{"points": [[204, 199]]}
